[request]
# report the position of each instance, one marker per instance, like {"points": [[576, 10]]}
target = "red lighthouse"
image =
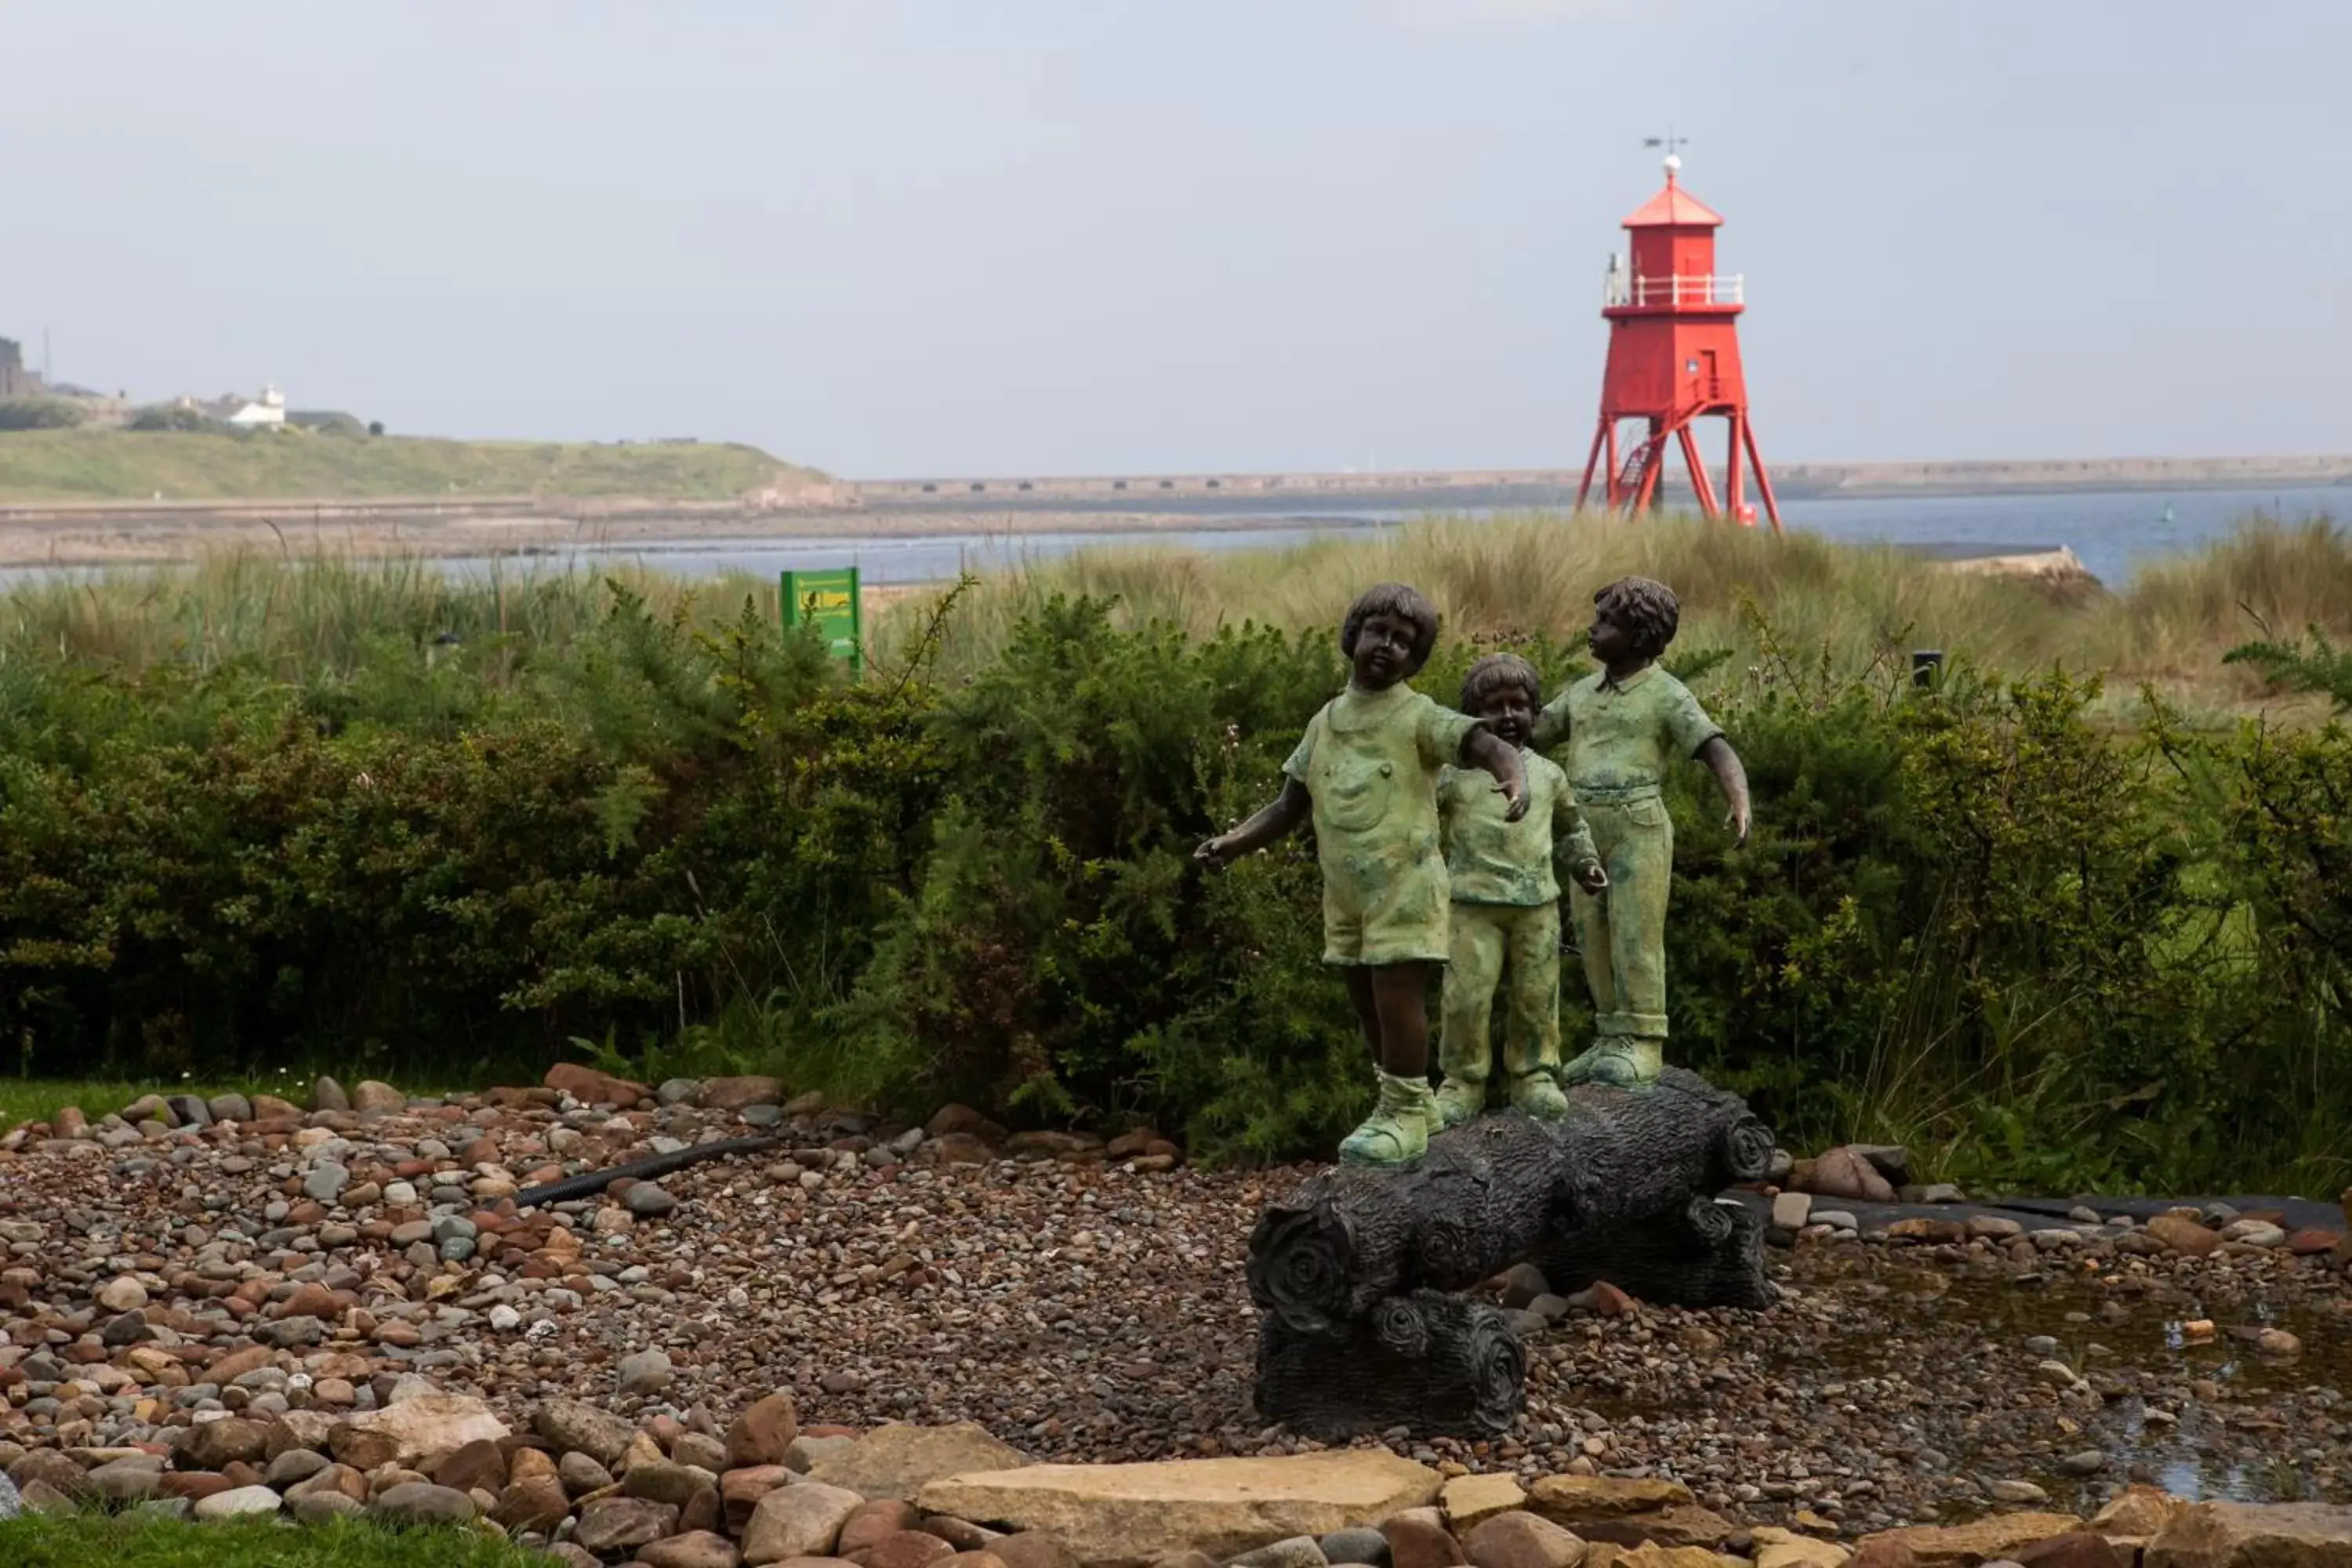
{"points": [[1673, 356]]}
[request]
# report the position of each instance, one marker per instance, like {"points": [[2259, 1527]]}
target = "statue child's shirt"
{"points": [[1371, 761], [1623, 734], [1490, 860]]}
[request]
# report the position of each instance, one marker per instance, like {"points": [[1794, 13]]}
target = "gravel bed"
{"points": [[1087, 1304]]}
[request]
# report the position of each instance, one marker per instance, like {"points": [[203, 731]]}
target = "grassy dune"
{"points": [[1831, 606], [123, 465], [1802, 599]]}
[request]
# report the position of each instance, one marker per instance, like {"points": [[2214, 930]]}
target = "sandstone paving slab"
{"points": [[1134, 1513]]}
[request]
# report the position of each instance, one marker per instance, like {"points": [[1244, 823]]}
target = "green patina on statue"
{"points": [[1505, 907], [1624, 726], [1367, 771]]}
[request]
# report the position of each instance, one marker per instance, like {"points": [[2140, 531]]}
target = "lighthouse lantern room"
{"points": [[1673, 358]]}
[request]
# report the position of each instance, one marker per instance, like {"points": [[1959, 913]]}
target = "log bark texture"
{"points": [[1491, 1193], [1714, 1257], [1349, 1271], [1439, 1364]]}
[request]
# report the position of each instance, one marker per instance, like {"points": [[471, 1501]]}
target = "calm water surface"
{"points": [[2111, 532]]}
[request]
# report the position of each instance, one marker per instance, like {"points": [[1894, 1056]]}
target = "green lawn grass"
{"points": [[127, 1540], [133, 465]]}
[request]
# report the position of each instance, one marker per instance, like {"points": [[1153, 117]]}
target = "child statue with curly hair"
{"points": [[1506, 913], [1367, 771], [1625, 724]]}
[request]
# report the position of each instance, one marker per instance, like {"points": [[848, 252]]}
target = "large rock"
{"points": [[2254, 1535], [2184, 1234], [590, 1087], [10, 1505], [576, 1426], [236, 1501], [1777, 1548], [1111, 1514], [801, 1521], [216, 1444], [427, 1425], [1471, 1501], [2137, 1512], [1574, 1500], [896, 1462], [1660, 1527], [699, 1549], [2076, 1549], [534, 1502], [421, 1502], [1847, 1173], [735, 1093], [1980, 1541], [609, 1524], [372, 1097], [763, 1433]]}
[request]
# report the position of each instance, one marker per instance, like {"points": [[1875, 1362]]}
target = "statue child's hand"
{"points": [[1593, 879], [1514, 799], [1737, 820], [1217, 852]]}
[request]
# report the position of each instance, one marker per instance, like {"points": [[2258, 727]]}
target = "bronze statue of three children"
{"points": [[1444, 838]]}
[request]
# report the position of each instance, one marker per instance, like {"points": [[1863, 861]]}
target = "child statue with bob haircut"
{"points": [[1625, 724], [1367, 771], [1505, 914]]}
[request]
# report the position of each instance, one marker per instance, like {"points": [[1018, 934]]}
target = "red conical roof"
{"points": [[1673, 207]]}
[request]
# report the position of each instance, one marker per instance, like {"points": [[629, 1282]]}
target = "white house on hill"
{"points": [[269, 409]]}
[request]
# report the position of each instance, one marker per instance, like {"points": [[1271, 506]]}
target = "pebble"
{"points": [[649, 1199], [648, 1372], [326, 1181]]}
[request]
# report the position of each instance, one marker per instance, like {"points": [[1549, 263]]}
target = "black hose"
{"points": [[589, 1182]]}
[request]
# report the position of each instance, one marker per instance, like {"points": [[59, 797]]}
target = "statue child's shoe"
{"points": [[1579, 1068], [1621, 1063], [1396, 1134], [1457, 1100], [1538, 1096]]}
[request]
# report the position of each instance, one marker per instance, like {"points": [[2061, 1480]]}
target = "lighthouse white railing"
{"points": [[1675, 289]]}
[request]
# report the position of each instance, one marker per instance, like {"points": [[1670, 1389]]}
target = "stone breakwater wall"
{"points": [[1549, 485]]}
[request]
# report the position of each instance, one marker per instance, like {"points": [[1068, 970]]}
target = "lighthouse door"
{"points": [[1707, 376]]}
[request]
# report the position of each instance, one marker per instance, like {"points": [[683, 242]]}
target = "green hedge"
{"points": [[2045, 952]]}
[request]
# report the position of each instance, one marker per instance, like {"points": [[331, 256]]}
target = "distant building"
{"points": [[268, 409], [16, 381]]}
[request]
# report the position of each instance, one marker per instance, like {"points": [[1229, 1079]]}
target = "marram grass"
{"points": [[1844, 607]]}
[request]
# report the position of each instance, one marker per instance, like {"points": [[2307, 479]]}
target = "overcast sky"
{"points": [[891, 238]]}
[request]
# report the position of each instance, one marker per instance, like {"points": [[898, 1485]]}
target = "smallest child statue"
{"points": [[1505, 919]]}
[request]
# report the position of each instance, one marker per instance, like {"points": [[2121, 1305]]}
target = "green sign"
{"points": [[828, 601]]}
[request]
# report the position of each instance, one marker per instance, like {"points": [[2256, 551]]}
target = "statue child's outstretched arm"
{"points": [[1502, 761], [1272, 821], [1731, 778]]}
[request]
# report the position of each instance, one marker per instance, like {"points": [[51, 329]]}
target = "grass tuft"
{"points": [[133, 1540]]}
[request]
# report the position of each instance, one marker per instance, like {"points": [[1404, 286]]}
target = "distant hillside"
{"points": [[126, 464]]}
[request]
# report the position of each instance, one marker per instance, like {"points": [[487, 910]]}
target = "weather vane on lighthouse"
{"points": [[1674, 356]]}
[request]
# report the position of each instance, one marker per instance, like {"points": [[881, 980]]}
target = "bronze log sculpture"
{"points": [[1621, 1188]]}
